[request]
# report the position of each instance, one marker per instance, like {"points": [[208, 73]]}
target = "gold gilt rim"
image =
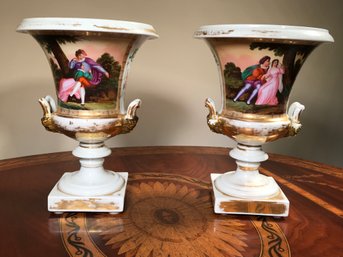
{"points": [[87, 114], [80, 33], [264, 40], [252, 117]]}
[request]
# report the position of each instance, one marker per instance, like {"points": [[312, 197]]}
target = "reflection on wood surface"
{"points": [[169, 215]]}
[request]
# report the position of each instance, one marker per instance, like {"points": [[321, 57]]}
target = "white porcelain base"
{"points": [[277, 205], [246, 185], [60, 202]]}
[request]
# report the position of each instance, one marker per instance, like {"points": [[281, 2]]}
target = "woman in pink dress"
{"points": [[267, 92]]}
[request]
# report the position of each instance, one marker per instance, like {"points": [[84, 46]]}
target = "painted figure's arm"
{"points": [[100, 69], [257, 74], [96, 66], [72, 64]]}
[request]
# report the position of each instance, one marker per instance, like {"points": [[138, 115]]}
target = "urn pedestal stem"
{"points": [[92, 179], [246, 181], [92, 188], [246, 190]]}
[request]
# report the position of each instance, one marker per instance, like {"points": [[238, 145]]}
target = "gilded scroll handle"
{"points": [[132, 108], [212, 116], [294, 112], [130, 119], [213, 120], [49, 107]]}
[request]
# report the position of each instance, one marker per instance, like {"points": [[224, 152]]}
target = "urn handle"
{"points": [[49, 107], [132, 108], [213, 120], [209, 103], [294, 112], [130, 119]]}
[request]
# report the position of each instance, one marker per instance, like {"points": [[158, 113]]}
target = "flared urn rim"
{"points": [[30, 25], [264, 31]]}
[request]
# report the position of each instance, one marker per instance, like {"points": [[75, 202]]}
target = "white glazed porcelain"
{"points": [[90, 60], [258, 65]]}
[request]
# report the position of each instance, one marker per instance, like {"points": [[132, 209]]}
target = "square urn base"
{"points": [[277, 206], [60, 202]]}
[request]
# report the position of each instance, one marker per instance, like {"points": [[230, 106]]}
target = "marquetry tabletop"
{"points": [[168, 209]]}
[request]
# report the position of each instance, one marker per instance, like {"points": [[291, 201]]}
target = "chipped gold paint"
{"points": [[247, 168], [258, 207], [266, 31], [91, 137], [84, 205], [128, 30], [119, 126], [86, 114], [213, 33], [254, 117], [222, 126], [102, 34], [111, 28], [220, 35]]}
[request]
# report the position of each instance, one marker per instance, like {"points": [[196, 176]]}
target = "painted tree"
{"points": [[292, 58], [56, 71], [108, 86], [52, 44], [233, 76], [232, 79]]}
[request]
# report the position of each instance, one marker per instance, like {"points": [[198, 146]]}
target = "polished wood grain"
{"points": [[168, 209]]}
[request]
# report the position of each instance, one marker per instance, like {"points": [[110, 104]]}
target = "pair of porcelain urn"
{"points": [[90, 60]]}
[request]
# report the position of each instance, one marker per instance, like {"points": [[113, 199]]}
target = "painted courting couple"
{"points": [[264, 80], [86, 72]]}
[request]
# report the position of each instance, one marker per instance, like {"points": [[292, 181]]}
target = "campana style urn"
{"points": [[258, 65], [90, 60]]}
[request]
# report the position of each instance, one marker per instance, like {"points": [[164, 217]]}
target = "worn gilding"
{"points": [[85, 205], [258, 207]]}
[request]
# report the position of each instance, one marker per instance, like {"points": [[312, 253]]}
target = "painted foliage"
{"points": [[86, 71], [258, 77]]}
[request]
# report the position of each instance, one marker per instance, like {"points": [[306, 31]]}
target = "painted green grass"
{"points": [[251, 108], [88, 106]]}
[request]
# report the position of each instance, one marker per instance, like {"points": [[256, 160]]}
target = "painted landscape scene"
{"points": [[86, 77], [259, 77]]}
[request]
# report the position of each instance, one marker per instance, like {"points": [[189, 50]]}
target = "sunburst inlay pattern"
{"points": [[171, 219]]}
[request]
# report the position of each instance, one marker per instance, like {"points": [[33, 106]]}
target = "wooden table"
{"points": [[168, 209]]}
